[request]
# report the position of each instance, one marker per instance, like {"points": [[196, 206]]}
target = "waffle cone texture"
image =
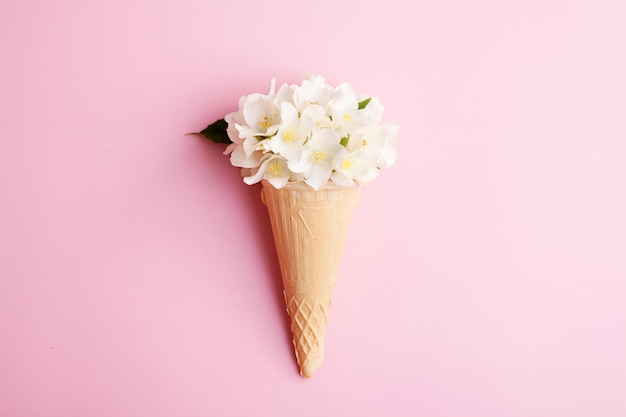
{"points": [[310, 229]]}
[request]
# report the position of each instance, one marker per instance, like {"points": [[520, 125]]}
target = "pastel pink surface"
{"points": [[484, 274]]}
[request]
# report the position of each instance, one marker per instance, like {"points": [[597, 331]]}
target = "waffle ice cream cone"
{"points": [[310, 230]]}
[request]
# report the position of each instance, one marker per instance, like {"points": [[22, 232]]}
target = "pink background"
{"points": [[484, 274]]}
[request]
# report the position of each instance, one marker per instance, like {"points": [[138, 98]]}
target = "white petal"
{"points": [[278, 182], [318, 175], [258, 175], [340, 178], [239, 158]]}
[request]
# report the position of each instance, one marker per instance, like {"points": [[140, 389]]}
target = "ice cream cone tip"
{"points": [[307, 371]]}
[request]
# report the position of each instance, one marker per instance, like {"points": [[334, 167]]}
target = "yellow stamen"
{"points": [[363, 144], [289, 135], [318, 157], [346, 163], [347, 117], [275, 169], [266, 123]]}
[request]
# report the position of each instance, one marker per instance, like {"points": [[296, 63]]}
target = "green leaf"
{"points": [[363, 104], [216, 132], [344, 141]]}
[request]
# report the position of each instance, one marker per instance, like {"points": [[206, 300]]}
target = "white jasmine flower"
{"points": [[319, 157], [314, 91], [261, 116], [274, 169], [346, 116], [317, 114], [353, 167], [292, 133]]}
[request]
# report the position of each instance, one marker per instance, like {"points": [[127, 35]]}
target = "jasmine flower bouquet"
{"points": [[311, 132]]}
